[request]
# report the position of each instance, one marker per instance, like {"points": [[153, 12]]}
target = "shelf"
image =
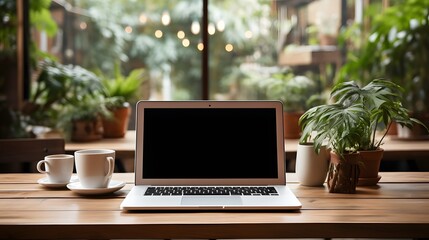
{"points": [[310, 55]]}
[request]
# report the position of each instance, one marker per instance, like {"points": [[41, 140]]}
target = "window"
{"points": [[166, 38]]}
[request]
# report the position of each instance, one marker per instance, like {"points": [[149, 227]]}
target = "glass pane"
{"points": [[270, 49], [247, 43], [242, 39], [159, 36]]}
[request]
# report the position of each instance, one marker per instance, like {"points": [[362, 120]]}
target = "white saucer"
{"points": [[45, 182], [113, 187]]}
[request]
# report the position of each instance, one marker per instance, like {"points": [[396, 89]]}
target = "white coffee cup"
{"points": [[94, 167], [58, 167]]}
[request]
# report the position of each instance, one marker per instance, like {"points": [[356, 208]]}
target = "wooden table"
{"points": [[124, 147], [394, 149], [397, 207]]}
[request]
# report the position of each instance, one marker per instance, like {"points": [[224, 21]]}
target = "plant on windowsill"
{"points": [[349, 127], [57, 89], [82, 118], [297, 93], [121, 90]]}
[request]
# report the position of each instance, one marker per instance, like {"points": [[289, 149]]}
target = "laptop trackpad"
{"points": [[211, 201]]}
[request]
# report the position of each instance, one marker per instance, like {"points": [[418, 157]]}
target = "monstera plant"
{"points": [[349, 128]]}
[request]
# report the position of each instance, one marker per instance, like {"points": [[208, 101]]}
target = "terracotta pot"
{"points": [[327, 40], [370, 166], [291, 126], [87, 130], [117, 126], [343, 173]]}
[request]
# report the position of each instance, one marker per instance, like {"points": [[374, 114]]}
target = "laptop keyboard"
{"points": [[179, 191]]}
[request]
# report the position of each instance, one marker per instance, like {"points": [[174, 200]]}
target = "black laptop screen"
{"points": [[209, 143]]}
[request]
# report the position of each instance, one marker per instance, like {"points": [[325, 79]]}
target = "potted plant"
{"points": [[383, 102], [349, 126], [338, 127], [82, 120], [121, 90], [58, 89], [296, 93]]}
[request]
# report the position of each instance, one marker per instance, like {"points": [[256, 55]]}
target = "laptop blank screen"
{"points": [[188, 143]]}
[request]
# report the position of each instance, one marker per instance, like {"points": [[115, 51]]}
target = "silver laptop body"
{"points": [[198, 154]]}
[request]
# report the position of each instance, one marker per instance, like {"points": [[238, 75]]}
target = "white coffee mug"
{"points": [[58, 167], [94, 167]]}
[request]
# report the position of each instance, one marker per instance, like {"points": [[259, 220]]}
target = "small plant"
{"points": [[296, 92], [89, 108], [122, 88], [86, 108]]}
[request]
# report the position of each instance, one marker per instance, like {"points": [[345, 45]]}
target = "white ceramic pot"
{"points": [[311, 168]]}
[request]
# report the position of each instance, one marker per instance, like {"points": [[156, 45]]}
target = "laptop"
{"points": [[209, 155]]}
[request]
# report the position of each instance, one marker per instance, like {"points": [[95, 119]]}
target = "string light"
{"points": [[128, 29], [180, 34], [211, 29], [186, 42], [248, 34], [143, 18], [158, 34], [200, 46], [195, 27], [165, 18], [220, 25]]}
